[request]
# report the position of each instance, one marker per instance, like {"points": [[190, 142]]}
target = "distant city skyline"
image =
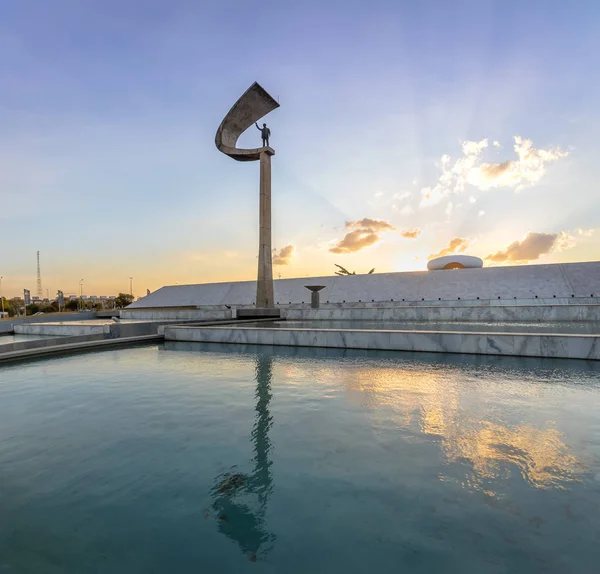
{"points": [[406, 130]]}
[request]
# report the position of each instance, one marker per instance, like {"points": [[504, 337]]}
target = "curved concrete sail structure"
{"points": [[254, 104]]}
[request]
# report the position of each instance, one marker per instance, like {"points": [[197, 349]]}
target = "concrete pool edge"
{"points": [[561, 346], [451, 313], [47, 342], [77, 347], [113, 330]]}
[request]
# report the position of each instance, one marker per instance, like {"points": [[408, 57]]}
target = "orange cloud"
{"points": [[355, 241], [456, 245], [368, 223], [284, 256], [411, 233], [366, 232], [532, 247]]}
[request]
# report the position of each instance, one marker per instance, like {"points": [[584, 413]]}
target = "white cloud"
{"points": [[527, 169], [401, 196], [481, 213], [454, 175], [585, 232], [407, 210], [496, 143]]}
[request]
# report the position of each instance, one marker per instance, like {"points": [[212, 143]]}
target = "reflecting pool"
{"points": [[204, 458]]}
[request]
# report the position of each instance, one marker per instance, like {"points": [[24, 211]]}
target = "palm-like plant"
{"points": [[343, 271]]}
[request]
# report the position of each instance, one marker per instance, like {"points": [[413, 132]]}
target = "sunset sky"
{"points": [[406, 130]]}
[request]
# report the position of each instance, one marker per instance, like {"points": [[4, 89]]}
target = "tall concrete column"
{"points": [[254, 104], [264, 284]]}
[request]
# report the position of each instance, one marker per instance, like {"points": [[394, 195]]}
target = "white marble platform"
{"points": [[60, 329], [47, 342], [462, 313], [108, 330], [176, 314], [515, 344], [563, 281]]}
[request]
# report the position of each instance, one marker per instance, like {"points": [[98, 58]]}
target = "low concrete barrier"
{"points": [[177, 314], [59, 329], [47, 342], [491, 314], [454, 302], [78, 347], [7, 325], [516, 344], [111, 330]]}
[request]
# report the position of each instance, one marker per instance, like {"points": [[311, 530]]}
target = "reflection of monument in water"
{"points": [[240, 499]]}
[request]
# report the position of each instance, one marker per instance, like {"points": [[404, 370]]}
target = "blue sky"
{"points": [[109, 109]]}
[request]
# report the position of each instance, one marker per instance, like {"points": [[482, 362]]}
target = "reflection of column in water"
{"points": [[261, 478], [240, 500]]}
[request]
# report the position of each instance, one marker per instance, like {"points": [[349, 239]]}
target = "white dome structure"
{"points": [[454, 262]]}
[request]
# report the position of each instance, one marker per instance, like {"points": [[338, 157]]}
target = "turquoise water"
{"points": [[197, 458]]}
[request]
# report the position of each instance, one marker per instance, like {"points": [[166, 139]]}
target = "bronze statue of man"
{"points": [[265, 132]]}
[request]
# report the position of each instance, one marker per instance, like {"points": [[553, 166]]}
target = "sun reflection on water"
{"points": [[468, 429]]}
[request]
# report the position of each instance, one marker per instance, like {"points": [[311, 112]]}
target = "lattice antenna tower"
{"points": [[40, 293]]}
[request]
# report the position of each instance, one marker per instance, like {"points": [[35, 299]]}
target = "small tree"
{"points": [[71, 305], [49, 307], [16, 306], [33, 309], [8, 308], [123, 299]]}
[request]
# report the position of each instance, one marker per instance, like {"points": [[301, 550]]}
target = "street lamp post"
{"points": [[131, 286], [81, 295], [1, 297]]}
